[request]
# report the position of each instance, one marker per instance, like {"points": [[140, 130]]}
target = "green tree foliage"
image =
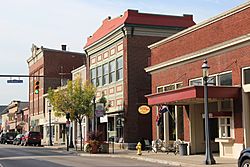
{"points": [[76, 98]]}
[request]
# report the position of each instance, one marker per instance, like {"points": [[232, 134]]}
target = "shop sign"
{"points": [[144, 109], [104, 119], [99, 111]]}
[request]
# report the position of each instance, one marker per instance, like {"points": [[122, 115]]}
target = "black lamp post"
{"points": [[209, 156], [50, 129], [67, 129], [94, 119]]}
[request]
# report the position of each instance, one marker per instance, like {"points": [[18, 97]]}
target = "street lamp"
{"points": [[94, 121], [50, 129], [67, 128], [209, 157]]}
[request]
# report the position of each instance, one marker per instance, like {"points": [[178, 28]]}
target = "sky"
{"points": [[51, 23]]}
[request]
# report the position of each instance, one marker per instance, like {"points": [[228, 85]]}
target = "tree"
{"points": [[76, 99]]}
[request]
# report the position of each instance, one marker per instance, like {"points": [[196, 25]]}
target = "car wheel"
{"points": [[246, 163]]}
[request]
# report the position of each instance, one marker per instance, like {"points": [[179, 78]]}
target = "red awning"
{"points": [[193, 94]]}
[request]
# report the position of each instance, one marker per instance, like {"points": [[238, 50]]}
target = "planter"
{"points": [[94, 148]]}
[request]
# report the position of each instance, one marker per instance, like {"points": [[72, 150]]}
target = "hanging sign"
{"points": [[144, 109], [99, 111]]}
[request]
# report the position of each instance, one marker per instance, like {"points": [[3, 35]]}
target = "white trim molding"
{"points": [[208, 52]]}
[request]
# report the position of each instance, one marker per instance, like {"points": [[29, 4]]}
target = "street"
{"points": [[12, 156]]}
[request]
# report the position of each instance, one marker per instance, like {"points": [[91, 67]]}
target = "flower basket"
{"points": [[95, 142]]}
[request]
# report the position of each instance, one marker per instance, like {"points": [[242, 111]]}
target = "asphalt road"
{"points": [[20, 156]]}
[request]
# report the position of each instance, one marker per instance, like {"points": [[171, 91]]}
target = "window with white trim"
{"points": [[93, 76], [246, 76], [169, 87], [119, 70], [112, 71], [196, 82], [99, 76], [225, 127], [105, 71]]}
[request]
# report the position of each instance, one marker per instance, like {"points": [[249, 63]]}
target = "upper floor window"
{"points": [[119, 68], [169, 87], [99, 76], [225, 79], [112, 71], [246, 76], [105, 71], [93, 76], [195, 82]]}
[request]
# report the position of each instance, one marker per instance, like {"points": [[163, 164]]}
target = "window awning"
{"points": [[193, 94]]}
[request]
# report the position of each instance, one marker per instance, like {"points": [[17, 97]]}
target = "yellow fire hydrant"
{"points": [[138, 147]]}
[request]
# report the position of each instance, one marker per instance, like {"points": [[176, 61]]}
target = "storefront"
{"points": [[177, 83]]}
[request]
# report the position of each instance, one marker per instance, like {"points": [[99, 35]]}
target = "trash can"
{"points": [[183, 148]]}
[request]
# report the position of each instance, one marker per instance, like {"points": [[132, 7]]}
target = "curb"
{"points": [[173, 163]]}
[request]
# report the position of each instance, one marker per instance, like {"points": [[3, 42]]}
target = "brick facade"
{"points": [[129, 36], [179, 58], [55, 65]]}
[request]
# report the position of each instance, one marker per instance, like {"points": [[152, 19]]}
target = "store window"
{"points": [[225, 127], [112, 71], [119, 70], [105, 71], [246, 76]]}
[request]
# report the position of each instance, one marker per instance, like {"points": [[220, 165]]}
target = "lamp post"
{"points": [[94, 119], [67, 128], [209, 156], [50, 129]]}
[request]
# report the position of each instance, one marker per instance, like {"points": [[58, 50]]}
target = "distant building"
{"points": [[118, 54], [50, 68], [2, 109], [13, 118]]}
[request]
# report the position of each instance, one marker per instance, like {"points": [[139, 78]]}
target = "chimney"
{"points": [[64, 47]]}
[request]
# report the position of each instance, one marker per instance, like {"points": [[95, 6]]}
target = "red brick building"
{"points": [[56, 67], [118, 54], [176, 74]]}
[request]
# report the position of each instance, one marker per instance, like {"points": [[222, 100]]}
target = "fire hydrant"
{"points": [[138, 147]]}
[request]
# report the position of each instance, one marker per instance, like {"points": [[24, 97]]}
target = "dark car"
{"points": [[17, 140], [7, 137], [31, 138], [244, 159]]}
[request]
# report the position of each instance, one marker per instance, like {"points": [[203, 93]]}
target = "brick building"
{"points": [[118, 54], [176, 74], [56, 67]]}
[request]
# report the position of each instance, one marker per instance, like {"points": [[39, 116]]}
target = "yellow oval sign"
{"points": [[144, 109]]}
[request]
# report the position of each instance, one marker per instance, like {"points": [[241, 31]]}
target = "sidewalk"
{"points": [[162, 158]]}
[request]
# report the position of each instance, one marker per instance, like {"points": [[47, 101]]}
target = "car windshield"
{"points": [[10, 134]]}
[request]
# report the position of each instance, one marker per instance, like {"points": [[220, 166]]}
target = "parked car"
{"points": [[244, 159], [7, 137], [31, 138], [17, 139]]}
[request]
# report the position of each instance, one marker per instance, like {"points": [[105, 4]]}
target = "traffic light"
{"points": [[36, 87]]}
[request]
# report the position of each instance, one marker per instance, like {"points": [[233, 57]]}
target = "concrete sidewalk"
{"points": [[162, 158]]}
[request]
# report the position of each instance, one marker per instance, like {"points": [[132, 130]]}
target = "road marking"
{"points": [[1, 165], [31, 157]]}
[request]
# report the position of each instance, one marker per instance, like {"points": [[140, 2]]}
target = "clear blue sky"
{"points": [[50, 23]]}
